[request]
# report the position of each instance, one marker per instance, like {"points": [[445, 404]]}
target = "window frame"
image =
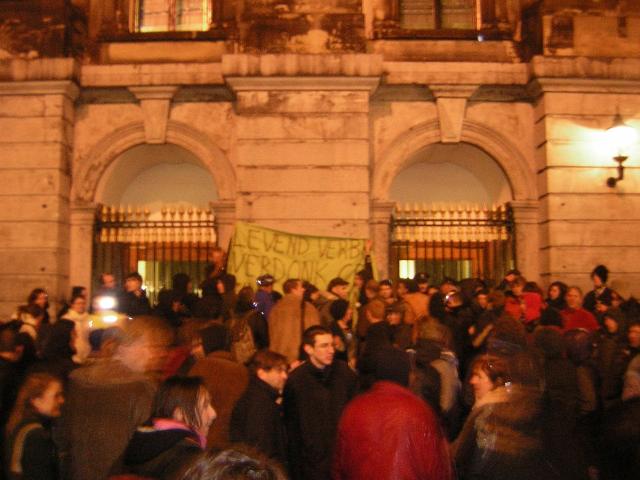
{"points": [[135, 10], [486, 25]]}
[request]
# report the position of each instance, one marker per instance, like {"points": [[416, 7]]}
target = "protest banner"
{"points": [[257, 250]]}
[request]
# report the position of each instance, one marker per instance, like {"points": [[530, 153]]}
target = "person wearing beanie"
{"points": [[264, 299], [598, 299], [413, 446], [422, 280]]}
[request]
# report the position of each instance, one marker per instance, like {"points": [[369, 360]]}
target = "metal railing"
{"points": [[157, 245], [458, 241]]}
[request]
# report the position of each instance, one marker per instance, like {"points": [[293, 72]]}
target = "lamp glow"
{"points": [[105, 303], [621, 136]]}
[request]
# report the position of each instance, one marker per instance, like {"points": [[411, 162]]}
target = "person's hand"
{"points": [[367, 247]]}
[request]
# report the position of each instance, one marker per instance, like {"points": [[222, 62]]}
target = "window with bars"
{"points": [[439, 14], [172, 15]]}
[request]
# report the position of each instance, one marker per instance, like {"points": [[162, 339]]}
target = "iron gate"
{"points": [[452, 241], [155, 245]]}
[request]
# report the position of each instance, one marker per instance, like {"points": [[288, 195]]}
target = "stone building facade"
{"points": [[304, 112]]}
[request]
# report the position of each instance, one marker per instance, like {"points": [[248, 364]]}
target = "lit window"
{"points": [[172, 15], [438, 14], [407, 268]]}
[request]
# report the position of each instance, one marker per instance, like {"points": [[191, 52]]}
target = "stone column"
{"points": [[525, 214], [224, 212], [36, 135], [82, 221], [380, 234]]}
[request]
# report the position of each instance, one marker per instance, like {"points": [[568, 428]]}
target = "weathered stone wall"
{"points": [[583, 221], [303, 144], [36, 138]]}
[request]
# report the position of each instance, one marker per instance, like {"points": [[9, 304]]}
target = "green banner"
{"points": [[257, 250]]}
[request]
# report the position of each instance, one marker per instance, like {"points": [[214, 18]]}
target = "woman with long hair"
{"points": [[31, 453], [556, 294], [175, 434], [38, 297]]}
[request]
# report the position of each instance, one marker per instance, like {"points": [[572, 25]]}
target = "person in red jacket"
{"points": [[574, 316], [388, 432], [521, 305]]}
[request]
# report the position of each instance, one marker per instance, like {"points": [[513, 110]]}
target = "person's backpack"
{"points": [[242, 344]]}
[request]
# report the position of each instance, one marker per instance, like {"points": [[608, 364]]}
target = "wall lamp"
{"points": [[621, 136]]}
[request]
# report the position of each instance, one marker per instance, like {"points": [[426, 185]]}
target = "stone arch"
{"points": [[395, 157], [94, 164]]}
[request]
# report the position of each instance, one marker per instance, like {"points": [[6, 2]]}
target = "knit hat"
{"points": [[265, 280], [601, 272], [391, 364], [338, 309], [336, 282]]}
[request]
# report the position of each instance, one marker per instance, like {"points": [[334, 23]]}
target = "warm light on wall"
{"points": [[621, 136]]}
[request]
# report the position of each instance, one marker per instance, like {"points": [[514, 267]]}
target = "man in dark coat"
{"points": [[257, 417], [314, 397], [601, 294], [134, 300]]}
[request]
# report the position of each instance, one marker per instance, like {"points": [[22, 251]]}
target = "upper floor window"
{"points": [[439, 14], [172, 15]]}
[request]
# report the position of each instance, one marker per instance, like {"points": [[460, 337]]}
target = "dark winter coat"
{"points": [[611, 365], [257, 420], [313, 402], [161, 454], [591, 298], [30, 452], [133, 305]]}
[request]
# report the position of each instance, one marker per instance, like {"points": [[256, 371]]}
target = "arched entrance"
{"points": [[451, 217], [190, 173], [506, 158], [155, 216]]}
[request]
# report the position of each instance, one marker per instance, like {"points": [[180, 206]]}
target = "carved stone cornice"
{"points": [[381, 211], [67, 88], [540, 86], [525, 211], [240, 84], [296, 65]]}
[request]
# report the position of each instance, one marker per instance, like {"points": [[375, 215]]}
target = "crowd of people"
{"points": [[365, 380]]}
